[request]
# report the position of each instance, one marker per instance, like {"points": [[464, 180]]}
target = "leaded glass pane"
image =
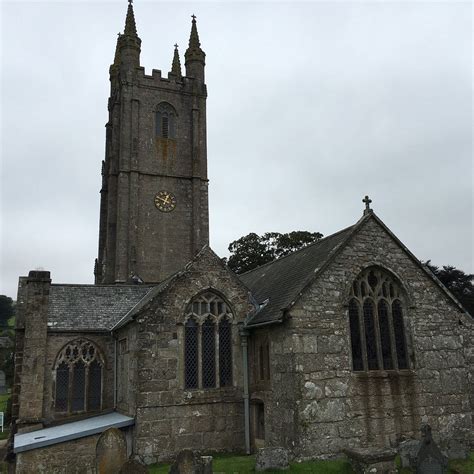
{"points": [[78, 386], [370, 335], [399, 330], [208, 354], [356, 343], [95, 386], [385, 341], [62, 387], [225, 353], [191, 354]]}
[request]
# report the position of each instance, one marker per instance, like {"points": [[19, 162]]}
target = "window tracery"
{"points": [[208, 343], [165, 121], [378, 340], [78, 377]]}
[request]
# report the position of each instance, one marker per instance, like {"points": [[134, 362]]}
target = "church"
{"points": [[349, 342]]}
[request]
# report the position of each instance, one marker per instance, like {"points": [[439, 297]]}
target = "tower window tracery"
{"points": [[78, 376], [208, 343], [378, 338], [165, 121]]}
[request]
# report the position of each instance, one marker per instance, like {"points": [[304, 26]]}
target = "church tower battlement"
{"points": [[154, 197]]}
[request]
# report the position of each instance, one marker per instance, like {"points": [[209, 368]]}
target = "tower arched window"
{"points": [[78, 377], [165, 121], [377, 330], [208, 343]]}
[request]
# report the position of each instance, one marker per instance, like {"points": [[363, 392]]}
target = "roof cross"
{"points": [[176, 46], [367, 202], [130, 1], [193, 16]]}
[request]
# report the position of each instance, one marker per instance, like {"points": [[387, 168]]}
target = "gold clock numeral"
{"points": [[165, 201]]}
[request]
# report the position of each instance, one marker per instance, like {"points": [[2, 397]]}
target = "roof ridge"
{"points": [[297, 250]]}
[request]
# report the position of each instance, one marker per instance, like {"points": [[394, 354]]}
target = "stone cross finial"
{"points": [[367, 202], [193, 16], [176, 46], [130, 1]]}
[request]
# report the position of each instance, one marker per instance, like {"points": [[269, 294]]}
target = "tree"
{"points": [[457, 281], [7, 310], [253, 250]]}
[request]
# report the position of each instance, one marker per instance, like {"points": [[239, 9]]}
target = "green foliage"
{"points": [[253, 250], [456, 280], [7, 310], [462, 466]]}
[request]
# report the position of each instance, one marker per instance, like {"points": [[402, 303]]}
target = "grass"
{"points": [[462, 466], [246, 464], [229, 464]]}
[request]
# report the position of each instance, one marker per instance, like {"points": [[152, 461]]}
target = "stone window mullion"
{"points": [[378, 339], [86, 389]]}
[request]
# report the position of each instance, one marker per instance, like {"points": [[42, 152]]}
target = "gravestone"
{"points": [[133, 467], [271, 458], [110, 452], [372, 460], [430, 460], [3, 386], [189, 462]]}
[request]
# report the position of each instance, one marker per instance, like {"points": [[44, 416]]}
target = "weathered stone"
{"points": [[271, 458], [408, 451], [190, 462], [372, 460], [430, 460], [111, 451], [3, 386], [133, 467]]}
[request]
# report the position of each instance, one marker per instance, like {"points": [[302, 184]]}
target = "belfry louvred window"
{"points": [[208, 343], [78, 377], [378, 338], [165, 121]]}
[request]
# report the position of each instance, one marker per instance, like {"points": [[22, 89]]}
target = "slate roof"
{"points": [[282, 280], [91, 307]]}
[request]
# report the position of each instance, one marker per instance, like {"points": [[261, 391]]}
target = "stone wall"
{"points": [[71, 457], [170, 417], [56, 341], [337, 408]]}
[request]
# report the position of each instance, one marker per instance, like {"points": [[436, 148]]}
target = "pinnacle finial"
{"points": [[130, 25], [194, 51], [367, 202], [176, 65]]}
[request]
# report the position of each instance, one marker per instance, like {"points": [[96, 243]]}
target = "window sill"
{"points": [[383, 374]]}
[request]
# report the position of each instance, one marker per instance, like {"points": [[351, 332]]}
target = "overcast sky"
{"points": [[311, 106]]}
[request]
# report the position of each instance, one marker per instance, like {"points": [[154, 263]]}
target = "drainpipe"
{"points": [[245, 369], [115, 370]]}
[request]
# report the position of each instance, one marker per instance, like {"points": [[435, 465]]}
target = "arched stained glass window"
{"points": [[378, 341], [208, 339], [78, 377]]}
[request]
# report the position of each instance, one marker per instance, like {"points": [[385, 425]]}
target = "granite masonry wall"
{"points": [[71, 457], [168, 416], [318, 405]]}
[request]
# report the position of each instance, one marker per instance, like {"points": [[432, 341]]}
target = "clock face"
{"points": [[165, 201]]}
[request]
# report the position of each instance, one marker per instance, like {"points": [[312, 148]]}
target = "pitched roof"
{"points": [[281, 281], [91, 307]]}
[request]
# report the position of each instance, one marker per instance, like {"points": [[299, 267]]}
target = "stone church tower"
{"points": [[154, 196]]}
